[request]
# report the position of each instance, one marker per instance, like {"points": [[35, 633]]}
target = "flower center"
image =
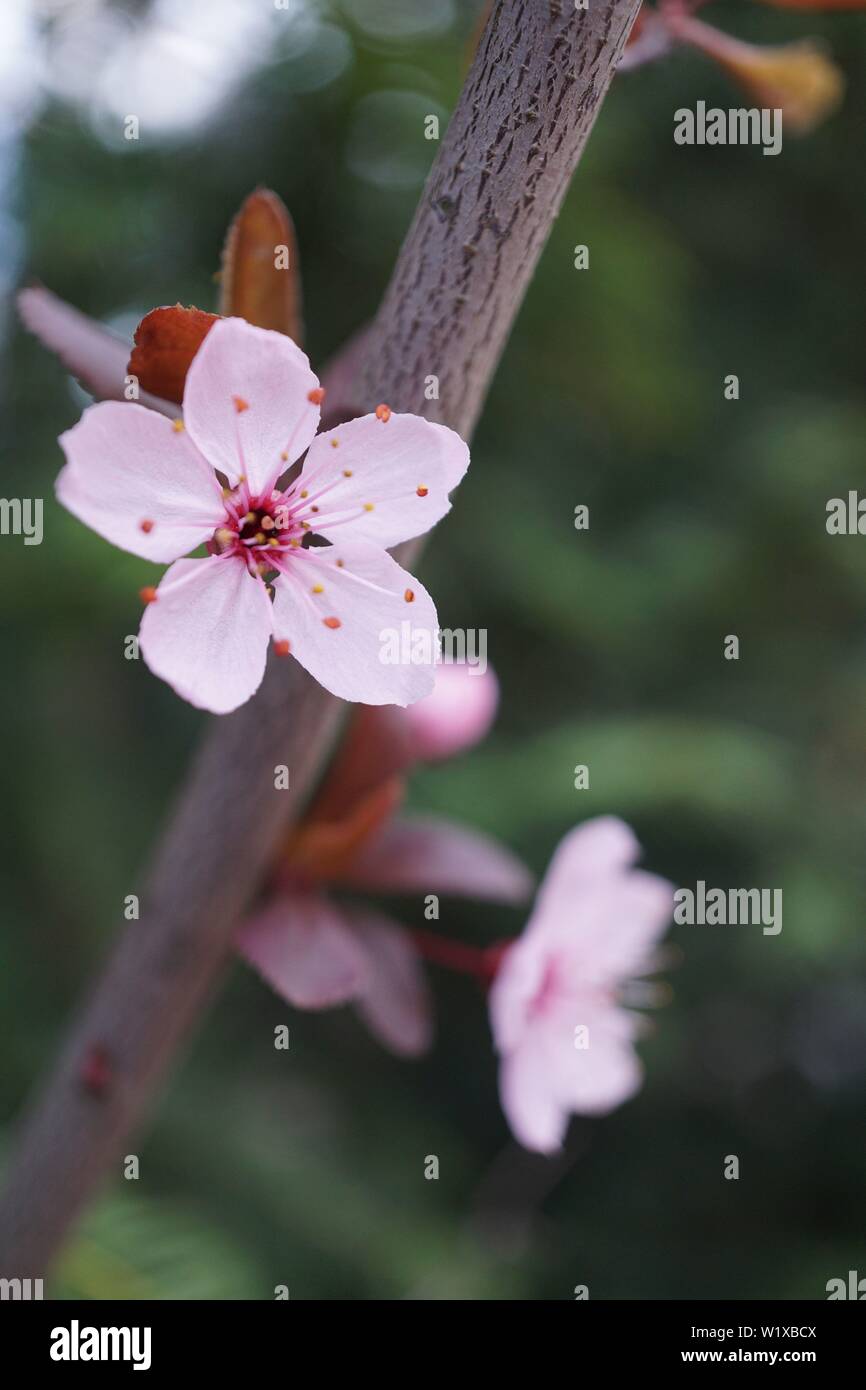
{"points": [[257, 531], [256, 525]]}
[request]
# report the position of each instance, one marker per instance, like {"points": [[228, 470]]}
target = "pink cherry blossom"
{"points": [[317, 950], [456, 715], [594, 926], [160, 488]]}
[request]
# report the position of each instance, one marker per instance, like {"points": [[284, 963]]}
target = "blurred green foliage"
{"points": [[707, 517]]}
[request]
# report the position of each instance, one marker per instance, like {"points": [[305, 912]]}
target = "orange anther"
{"points": [[332, 623], [317, 395], [146, 526], [147, 594], [383, 413], [282, 648], [240, 404]]}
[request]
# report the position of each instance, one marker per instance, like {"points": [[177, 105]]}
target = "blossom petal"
{"points": [[597, 849], [302, 946], [610, 935], [548, 1078], [534, 1116], [515, 987], [207, 632], [166, 341], [456, 715], [387, 480], [93, 354], [418, 854], [454, 453], [128, 466], [395, 1003], [363, 627], [246, 403], [606, 934]]}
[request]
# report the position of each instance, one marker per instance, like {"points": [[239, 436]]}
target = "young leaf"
{"points": [[260, 280], [166, 341]]}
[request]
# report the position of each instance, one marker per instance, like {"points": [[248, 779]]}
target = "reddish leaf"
{"points": [[260, 280], [798, 78], [166, 341]]}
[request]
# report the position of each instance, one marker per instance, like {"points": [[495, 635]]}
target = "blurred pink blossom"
{"points": [[317, 951], [565, 1039]]}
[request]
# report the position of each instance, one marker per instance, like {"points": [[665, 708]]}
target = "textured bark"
{"points": [[526, 112], [534, 89]]}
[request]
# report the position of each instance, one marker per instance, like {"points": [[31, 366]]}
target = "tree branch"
{"points": [[533, 92]]}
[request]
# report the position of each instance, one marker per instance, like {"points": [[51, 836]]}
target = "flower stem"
{"points": [[480, 961]]}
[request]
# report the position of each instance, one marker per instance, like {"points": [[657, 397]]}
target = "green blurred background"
{"points": [[306, 1168]]}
